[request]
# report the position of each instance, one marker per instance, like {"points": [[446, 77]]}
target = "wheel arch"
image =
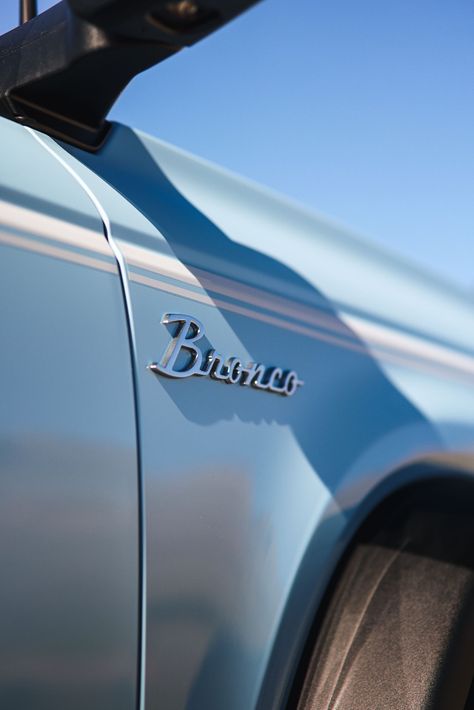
{"points": [[289, 662]]}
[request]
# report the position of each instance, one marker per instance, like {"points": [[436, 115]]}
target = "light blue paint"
{"points": [[68, 458], [251, 498]]}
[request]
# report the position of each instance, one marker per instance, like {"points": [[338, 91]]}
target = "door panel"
{"points": [[68, 464]]}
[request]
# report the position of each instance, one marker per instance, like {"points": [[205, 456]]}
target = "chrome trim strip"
{"points": [[171, 267], [134, 364], [42, 225], [385, 339], [385, 342], [64, 254], [433, 359]]}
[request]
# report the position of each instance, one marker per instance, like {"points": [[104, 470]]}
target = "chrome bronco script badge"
{"points": [[183, 358]]}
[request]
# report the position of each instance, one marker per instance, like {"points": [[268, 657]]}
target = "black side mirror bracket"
{"points": [[62, 71]]}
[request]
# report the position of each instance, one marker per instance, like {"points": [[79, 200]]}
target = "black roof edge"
{"points": [[62, 71]]}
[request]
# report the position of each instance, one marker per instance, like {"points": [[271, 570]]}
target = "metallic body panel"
{"points": [[68, 460], [250, 499]]}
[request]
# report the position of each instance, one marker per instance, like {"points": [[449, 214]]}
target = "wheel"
{"points": [[398, 629]]}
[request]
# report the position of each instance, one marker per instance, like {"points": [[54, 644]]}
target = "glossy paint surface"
{"points": [[251, 497], [68, 472]]}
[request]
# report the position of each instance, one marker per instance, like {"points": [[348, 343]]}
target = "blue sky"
{"points": [[362, 110]]}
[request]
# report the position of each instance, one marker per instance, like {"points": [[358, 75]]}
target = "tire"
{"points": [[398, 631]]}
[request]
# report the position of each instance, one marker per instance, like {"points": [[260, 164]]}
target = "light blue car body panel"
{"points": [[250, 497], [68, 457]]}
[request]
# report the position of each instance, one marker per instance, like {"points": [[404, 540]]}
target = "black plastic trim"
{"points": [[62, 71]]}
